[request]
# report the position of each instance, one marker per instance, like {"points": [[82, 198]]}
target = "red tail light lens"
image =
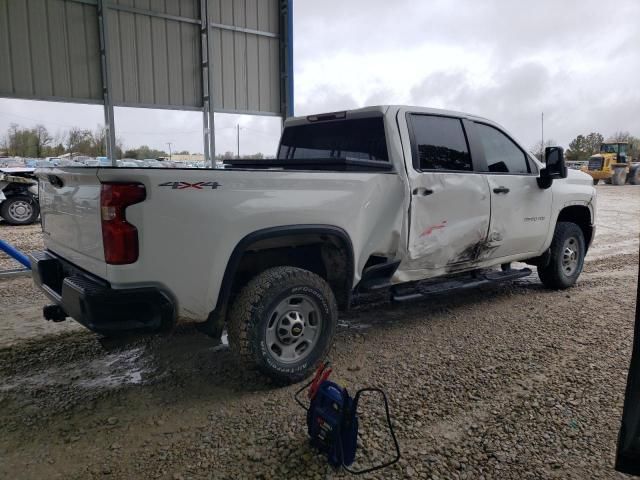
{"points": [[119, 237]]}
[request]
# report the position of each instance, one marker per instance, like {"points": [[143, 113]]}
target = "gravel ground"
{"points": [[509, 381]]}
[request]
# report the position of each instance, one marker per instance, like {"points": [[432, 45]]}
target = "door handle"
{"points": [[422, 191], [501, 190]]}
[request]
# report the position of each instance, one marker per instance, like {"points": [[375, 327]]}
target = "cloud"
{"points": [[576, 60]]}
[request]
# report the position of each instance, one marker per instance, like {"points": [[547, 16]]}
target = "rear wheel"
{"points": [[283, 322], [634, 176], [20, 210], [566, 260]]}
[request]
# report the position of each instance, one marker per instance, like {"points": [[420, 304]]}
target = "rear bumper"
{"points": [[92, 302]]}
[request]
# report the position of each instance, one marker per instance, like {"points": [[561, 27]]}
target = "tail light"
{"points": [[119, 237]]}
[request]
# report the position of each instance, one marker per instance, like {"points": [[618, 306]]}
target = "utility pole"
{"points": [[542, 144], [238, 138], [169, 143]]}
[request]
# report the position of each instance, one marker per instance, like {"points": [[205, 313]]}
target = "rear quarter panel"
{"points": [[187, 235]]}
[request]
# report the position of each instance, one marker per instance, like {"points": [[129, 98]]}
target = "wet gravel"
{"points": [[510, 381]]}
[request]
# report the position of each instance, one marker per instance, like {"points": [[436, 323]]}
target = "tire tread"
{"points": [[246, 310], [550, 275]]}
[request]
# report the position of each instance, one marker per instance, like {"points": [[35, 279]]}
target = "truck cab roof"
{"points": [[374, 110]]}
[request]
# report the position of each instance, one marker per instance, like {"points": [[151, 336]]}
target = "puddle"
{"points": [[115, 370], [353, 325], [111, 371]]}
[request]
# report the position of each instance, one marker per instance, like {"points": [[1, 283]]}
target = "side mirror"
{"points": [[555, 167]]}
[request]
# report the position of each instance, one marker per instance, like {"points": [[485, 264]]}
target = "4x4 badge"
{"points": [[197, 185]]}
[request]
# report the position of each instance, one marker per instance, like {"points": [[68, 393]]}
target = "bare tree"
{"points": [[538, 148], [42, 140]]}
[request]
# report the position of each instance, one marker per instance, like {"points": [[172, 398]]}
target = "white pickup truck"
{"points": [[408, 200]]}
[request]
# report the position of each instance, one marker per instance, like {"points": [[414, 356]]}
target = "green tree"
{"points": [[143, 152], [582, 147], [80, 141], [593, 142], [27, 142]]}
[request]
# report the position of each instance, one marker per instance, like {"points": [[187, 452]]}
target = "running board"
{"points": [[432, 287]]}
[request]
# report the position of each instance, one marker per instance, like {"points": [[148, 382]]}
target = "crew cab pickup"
{"points": [[405, 200]]}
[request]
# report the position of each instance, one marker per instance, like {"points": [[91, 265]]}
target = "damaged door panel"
{"points": [[448, 226], [520, 209], [450, 205]]}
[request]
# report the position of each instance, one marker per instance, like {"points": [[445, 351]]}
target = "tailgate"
{"points": [[70, 213]]}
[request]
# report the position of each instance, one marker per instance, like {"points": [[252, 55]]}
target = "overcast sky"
{"points": [[508, 60]]}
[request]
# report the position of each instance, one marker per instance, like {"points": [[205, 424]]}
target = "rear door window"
{"points": [[353, 139], [439, 143]]}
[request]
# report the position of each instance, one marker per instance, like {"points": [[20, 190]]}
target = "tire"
{"points": [[634, 176], [619, 176], [271, 316], [596, 181], [20, 210], [564, 268]]}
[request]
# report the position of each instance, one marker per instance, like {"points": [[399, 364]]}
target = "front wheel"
{"points": [[283, 322], [566, 260], [619, 176]]}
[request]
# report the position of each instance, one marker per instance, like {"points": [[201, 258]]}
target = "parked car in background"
{"points": [[45, 164], [18, 195], [127, 162]]}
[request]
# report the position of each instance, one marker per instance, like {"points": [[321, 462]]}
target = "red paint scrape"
{"points": [[432, 228]]}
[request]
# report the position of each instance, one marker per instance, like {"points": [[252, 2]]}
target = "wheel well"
{"points": [[581, 216], [323, 250], [323, 255]]}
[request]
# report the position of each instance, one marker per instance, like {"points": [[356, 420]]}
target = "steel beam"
{"points": [[109, 121], [151, 13], [208, 120], [260, 33], [286, 58]]}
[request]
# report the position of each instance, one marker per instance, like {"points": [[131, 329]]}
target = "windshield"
{"points": [[609, 148], [357, 139]]}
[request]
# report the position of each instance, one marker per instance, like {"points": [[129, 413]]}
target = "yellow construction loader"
{"points": [[614, 164]]}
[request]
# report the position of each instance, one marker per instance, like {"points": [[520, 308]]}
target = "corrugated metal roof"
{"points": [[246, 65], [49, 49], [155, 61]]}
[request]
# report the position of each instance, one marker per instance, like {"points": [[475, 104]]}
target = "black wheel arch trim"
{"points": [[216, 319], [591, 225]]}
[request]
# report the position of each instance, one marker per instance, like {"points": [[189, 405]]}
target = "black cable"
{"points": [[295, 396], [391, 431]]}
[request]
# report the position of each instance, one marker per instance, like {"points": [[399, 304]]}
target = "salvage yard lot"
{"points": [[511, 381]]}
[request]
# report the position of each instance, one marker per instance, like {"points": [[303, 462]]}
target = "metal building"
{"points": [[231, 56]]}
